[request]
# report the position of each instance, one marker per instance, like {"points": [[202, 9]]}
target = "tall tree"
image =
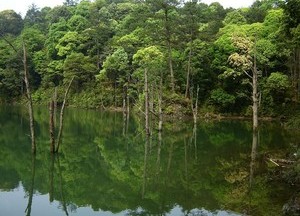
{"points": [[292, 26], [167, 15], [245, 59], [150, 60]]}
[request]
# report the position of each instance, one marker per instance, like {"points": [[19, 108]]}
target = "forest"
{"points": [[186, 50], [157, 58]]}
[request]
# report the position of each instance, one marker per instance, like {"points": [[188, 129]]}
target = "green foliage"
{"points": [[10, 23], [10, 84], [278, 82], [81, 68], [149, 58], [293, 122], [222, 99], [116, 65], [211, 167], [34, 38], [234, 17], [118, 40], [70, 42]]}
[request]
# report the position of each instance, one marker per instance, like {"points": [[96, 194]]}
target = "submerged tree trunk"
{"points": [[61, 119], [145, 167], [253, 155], [30, 107]]}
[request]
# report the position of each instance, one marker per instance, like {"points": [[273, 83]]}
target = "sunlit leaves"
{"points": [[70, 42]]}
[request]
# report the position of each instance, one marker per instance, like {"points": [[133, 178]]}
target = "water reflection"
{"points": [[28, 209], [107, 167]]}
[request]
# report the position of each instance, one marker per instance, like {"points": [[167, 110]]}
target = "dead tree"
{"points": [[61, 118], [194, 106], [30, 107]]}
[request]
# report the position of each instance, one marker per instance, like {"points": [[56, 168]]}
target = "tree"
{"points": [[10, 23], [71, 42], [276, 91], [150, 60], [167, 15], [292, 26], [245, 60], [234, 17], [115, 68], [81, 68], [36, 18]]}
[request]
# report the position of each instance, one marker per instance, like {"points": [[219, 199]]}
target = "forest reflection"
{"points": [[107, 164]]}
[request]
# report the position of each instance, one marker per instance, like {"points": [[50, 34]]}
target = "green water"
{"points": [[105, 167]]}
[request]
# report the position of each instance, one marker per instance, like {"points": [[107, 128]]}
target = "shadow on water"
{"points": [[106, 166]]}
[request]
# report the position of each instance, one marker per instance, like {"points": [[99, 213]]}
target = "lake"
{"points": [[107, 167]]}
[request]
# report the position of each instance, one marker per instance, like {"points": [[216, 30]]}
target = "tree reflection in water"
{"points": [[187, 168]]}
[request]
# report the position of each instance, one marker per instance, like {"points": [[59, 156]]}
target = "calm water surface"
{"points": [[106, 167]]}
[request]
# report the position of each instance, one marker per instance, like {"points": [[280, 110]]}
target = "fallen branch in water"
{"points": [[273, 162], [281, 162]]}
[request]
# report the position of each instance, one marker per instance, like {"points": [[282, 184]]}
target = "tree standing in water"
{"points": [[150, 60]]}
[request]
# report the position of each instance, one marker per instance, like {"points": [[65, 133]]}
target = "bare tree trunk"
{"points": [[187, 87], [124, 100], [158, 152], [255, 92], [160, 114], [61, 119], [124, 110], [51, 127], [127, 97], [147, 129], [171, 66], [28, 93], [55, 104], [30, 107], [151, 99], [195, 107]]}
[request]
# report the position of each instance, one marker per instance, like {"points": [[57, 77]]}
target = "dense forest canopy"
{"points": [[190, 45]]}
